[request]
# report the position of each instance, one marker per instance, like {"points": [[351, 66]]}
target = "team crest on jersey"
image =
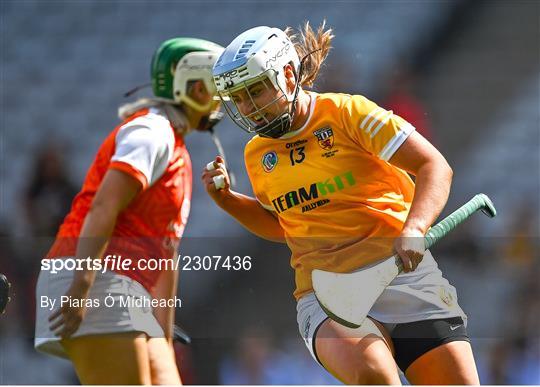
{"points": [[269, 161], [325, 136]]}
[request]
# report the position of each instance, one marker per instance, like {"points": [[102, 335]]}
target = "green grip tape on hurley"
{"points": [[478, 202], [441, 229]]}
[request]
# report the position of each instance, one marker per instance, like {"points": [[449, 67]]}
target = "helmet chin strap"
{"points": [[277, 128], [280, 126]]}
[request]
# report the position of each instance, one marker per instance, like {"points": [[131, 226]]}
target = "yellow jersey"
{"points": [[338, 200]]}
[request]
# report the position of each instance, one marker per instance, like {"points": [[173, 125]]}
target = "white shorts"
{"points": [[100, 319], [423, 294]]}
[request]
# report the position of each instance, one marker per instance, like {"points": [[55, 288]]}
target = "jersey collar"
{"points": [[289, 135]]}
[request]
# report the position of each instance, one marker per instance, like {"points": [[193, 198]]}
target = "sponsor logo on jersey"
{"points": [[269, 161], [325, 137], [317, 204], [317, 190], [295, 144]]}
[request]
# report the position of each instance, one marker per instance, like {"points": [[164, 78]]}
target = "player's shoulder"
{"points": [[254, 144], [152, 119], [151, 123], [148, 130], [342, 101], [251, 149], [339, 104], [257, 150]]}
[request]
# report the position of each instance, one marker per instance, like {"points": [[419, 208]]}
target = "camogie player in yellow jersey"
{"points": [[330, 177]]}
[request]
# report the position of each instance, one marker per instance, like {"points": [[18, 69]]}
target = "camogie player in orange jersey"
{"points": [[133, 207], [330, 177]]}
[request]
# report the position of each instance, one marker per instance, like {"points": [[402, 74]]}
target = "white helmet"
{"points": [[193, 66], [178, 62], [257, 55]]}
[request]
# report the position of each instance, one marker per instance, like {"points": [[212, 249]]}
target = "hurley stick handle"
{"points": [[441, 229]]}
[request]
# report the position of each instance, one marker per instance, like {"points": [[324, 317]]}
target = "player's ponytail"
{"points": [[314, 47]]}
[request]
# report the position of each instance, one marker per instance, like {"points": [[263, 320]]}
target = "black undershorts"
{"points": [[412, 340]]}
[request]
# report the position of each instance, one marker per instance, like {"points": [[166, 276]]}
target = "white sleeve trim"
{"points": [[381, 124], [265, 206], [147, 145], [395, 142], [371, 115]]}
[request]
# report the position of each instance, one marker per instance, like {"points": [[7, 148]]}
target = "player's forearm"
{"points": [[250, 214], [95, 234], [433, 181]]}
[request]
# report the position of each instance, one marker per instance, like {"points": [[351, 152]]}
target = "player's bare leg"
{"points": [[357, 356], [450, 363], [163, 368], [110, 359]]}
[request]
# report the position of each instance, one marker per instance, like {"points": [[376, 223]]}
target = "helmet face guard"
{"points": [[256, 120], [258, 55]]}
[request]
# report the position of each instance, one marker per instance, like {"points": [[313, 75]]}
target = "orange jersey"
{"points": [[339, 201], [146, 147]]}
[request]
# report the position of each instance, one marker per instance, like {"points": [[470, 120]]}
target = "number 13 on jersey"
{"points": [[297, 155]]}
